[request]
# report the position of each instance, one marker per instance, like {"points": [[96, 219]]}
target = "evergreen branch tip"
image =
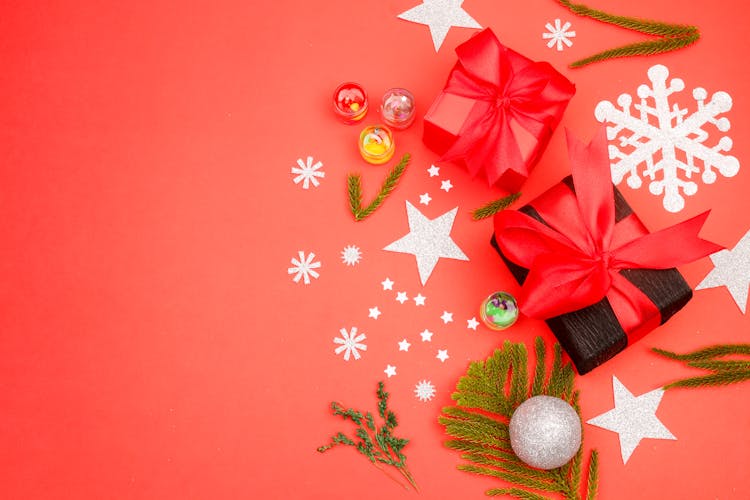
{"points": [[354, 190], [493, 207], [669, 37], [717, 372]]}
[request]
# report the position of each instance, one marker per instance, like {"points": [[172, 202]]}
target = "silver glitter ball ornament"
{"points": [[545, 432]]}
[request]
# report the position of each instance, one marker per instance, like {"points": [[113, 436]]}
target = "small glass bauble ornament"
{"points": [[376, 144], [499, 311], [350, 102], [398, 108], [545, 432]]}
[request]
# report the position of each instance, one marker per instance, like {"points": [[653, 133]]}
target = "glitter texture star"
{"points": [[472, 323], [442, 355], [428, 240], [633, 418], [404, 345], [419, 299], [434, 171], [374, 312], [390, 371], [440, 16], [446, 317], [401, 297], [425, 199], [426, 336], [446, 185], [732, 270]]}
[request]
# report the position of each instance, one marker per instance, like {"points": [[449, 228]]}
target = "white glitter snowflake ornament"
{"points": [[662, 142], [304, 267], [351, 255], [308, 172], [558, 35], [350, 343], [424, 390]]}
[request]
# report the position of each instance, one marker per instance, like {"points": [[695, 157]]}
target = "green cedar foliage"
{"points": [[669, 37], [354, 190], [722, 371], [486, 398], [494, 207], [375, 442]]}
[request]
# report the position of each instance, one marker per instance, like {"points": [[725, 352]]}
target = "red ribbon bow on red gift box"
{"points": [[574, 260], [514, 97]]}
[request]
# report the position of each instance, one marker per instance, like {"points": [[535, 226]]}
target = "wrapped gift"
{"points": [[497, 111], [587, 264]]}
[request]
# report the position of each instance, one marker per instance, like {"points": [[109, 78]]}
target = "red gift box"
{"points": [[497, 111]]}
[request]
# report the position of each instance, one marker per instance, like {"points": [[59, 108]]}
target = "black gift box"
{"points": [[593, 335]]}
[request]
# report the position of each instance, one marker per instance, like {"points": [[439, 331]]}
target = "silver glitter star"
{"points": [[633, 418], [440, 16], [732, 270], [428, 240]]}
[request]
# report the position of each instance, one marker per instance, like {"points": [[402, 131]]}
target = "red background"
{"points": [[152, 343]]}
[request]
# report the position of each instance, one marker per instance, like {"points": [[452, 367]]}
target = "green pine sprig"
{"points": [[669, 36], [486, 398], [377, 443], [354, 189], [494, 207], [722, 371]]}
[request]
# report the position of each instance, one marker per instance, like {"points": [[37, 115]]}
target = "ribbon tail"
{"points": [[670, 247], [589, 165]]}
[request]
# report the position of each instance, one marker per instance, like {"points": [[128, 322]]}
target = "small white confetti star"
{"points": [[732, 270], [446, 185], [426, 336], [446, 317], [390, 371], [558, 35], [374, 312], [404, 345], [387, 284], [401, 297], [434, 171], [425, 199], [419, 299], [442, 355], [440, 16], [472, 323], [633, 418]]}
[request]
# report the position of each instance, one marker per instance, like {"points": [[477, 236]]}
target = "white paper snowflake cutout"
{"points": [[667, 140], [558, 35], [351, 343], [351, 255], [424, 390], [304, 267], [308, 172]]}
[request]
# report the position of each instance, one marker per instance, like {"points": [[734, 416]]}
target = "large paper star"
{"points": [[633, 418], [440, 16], [428, 240], [732, 270]]}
